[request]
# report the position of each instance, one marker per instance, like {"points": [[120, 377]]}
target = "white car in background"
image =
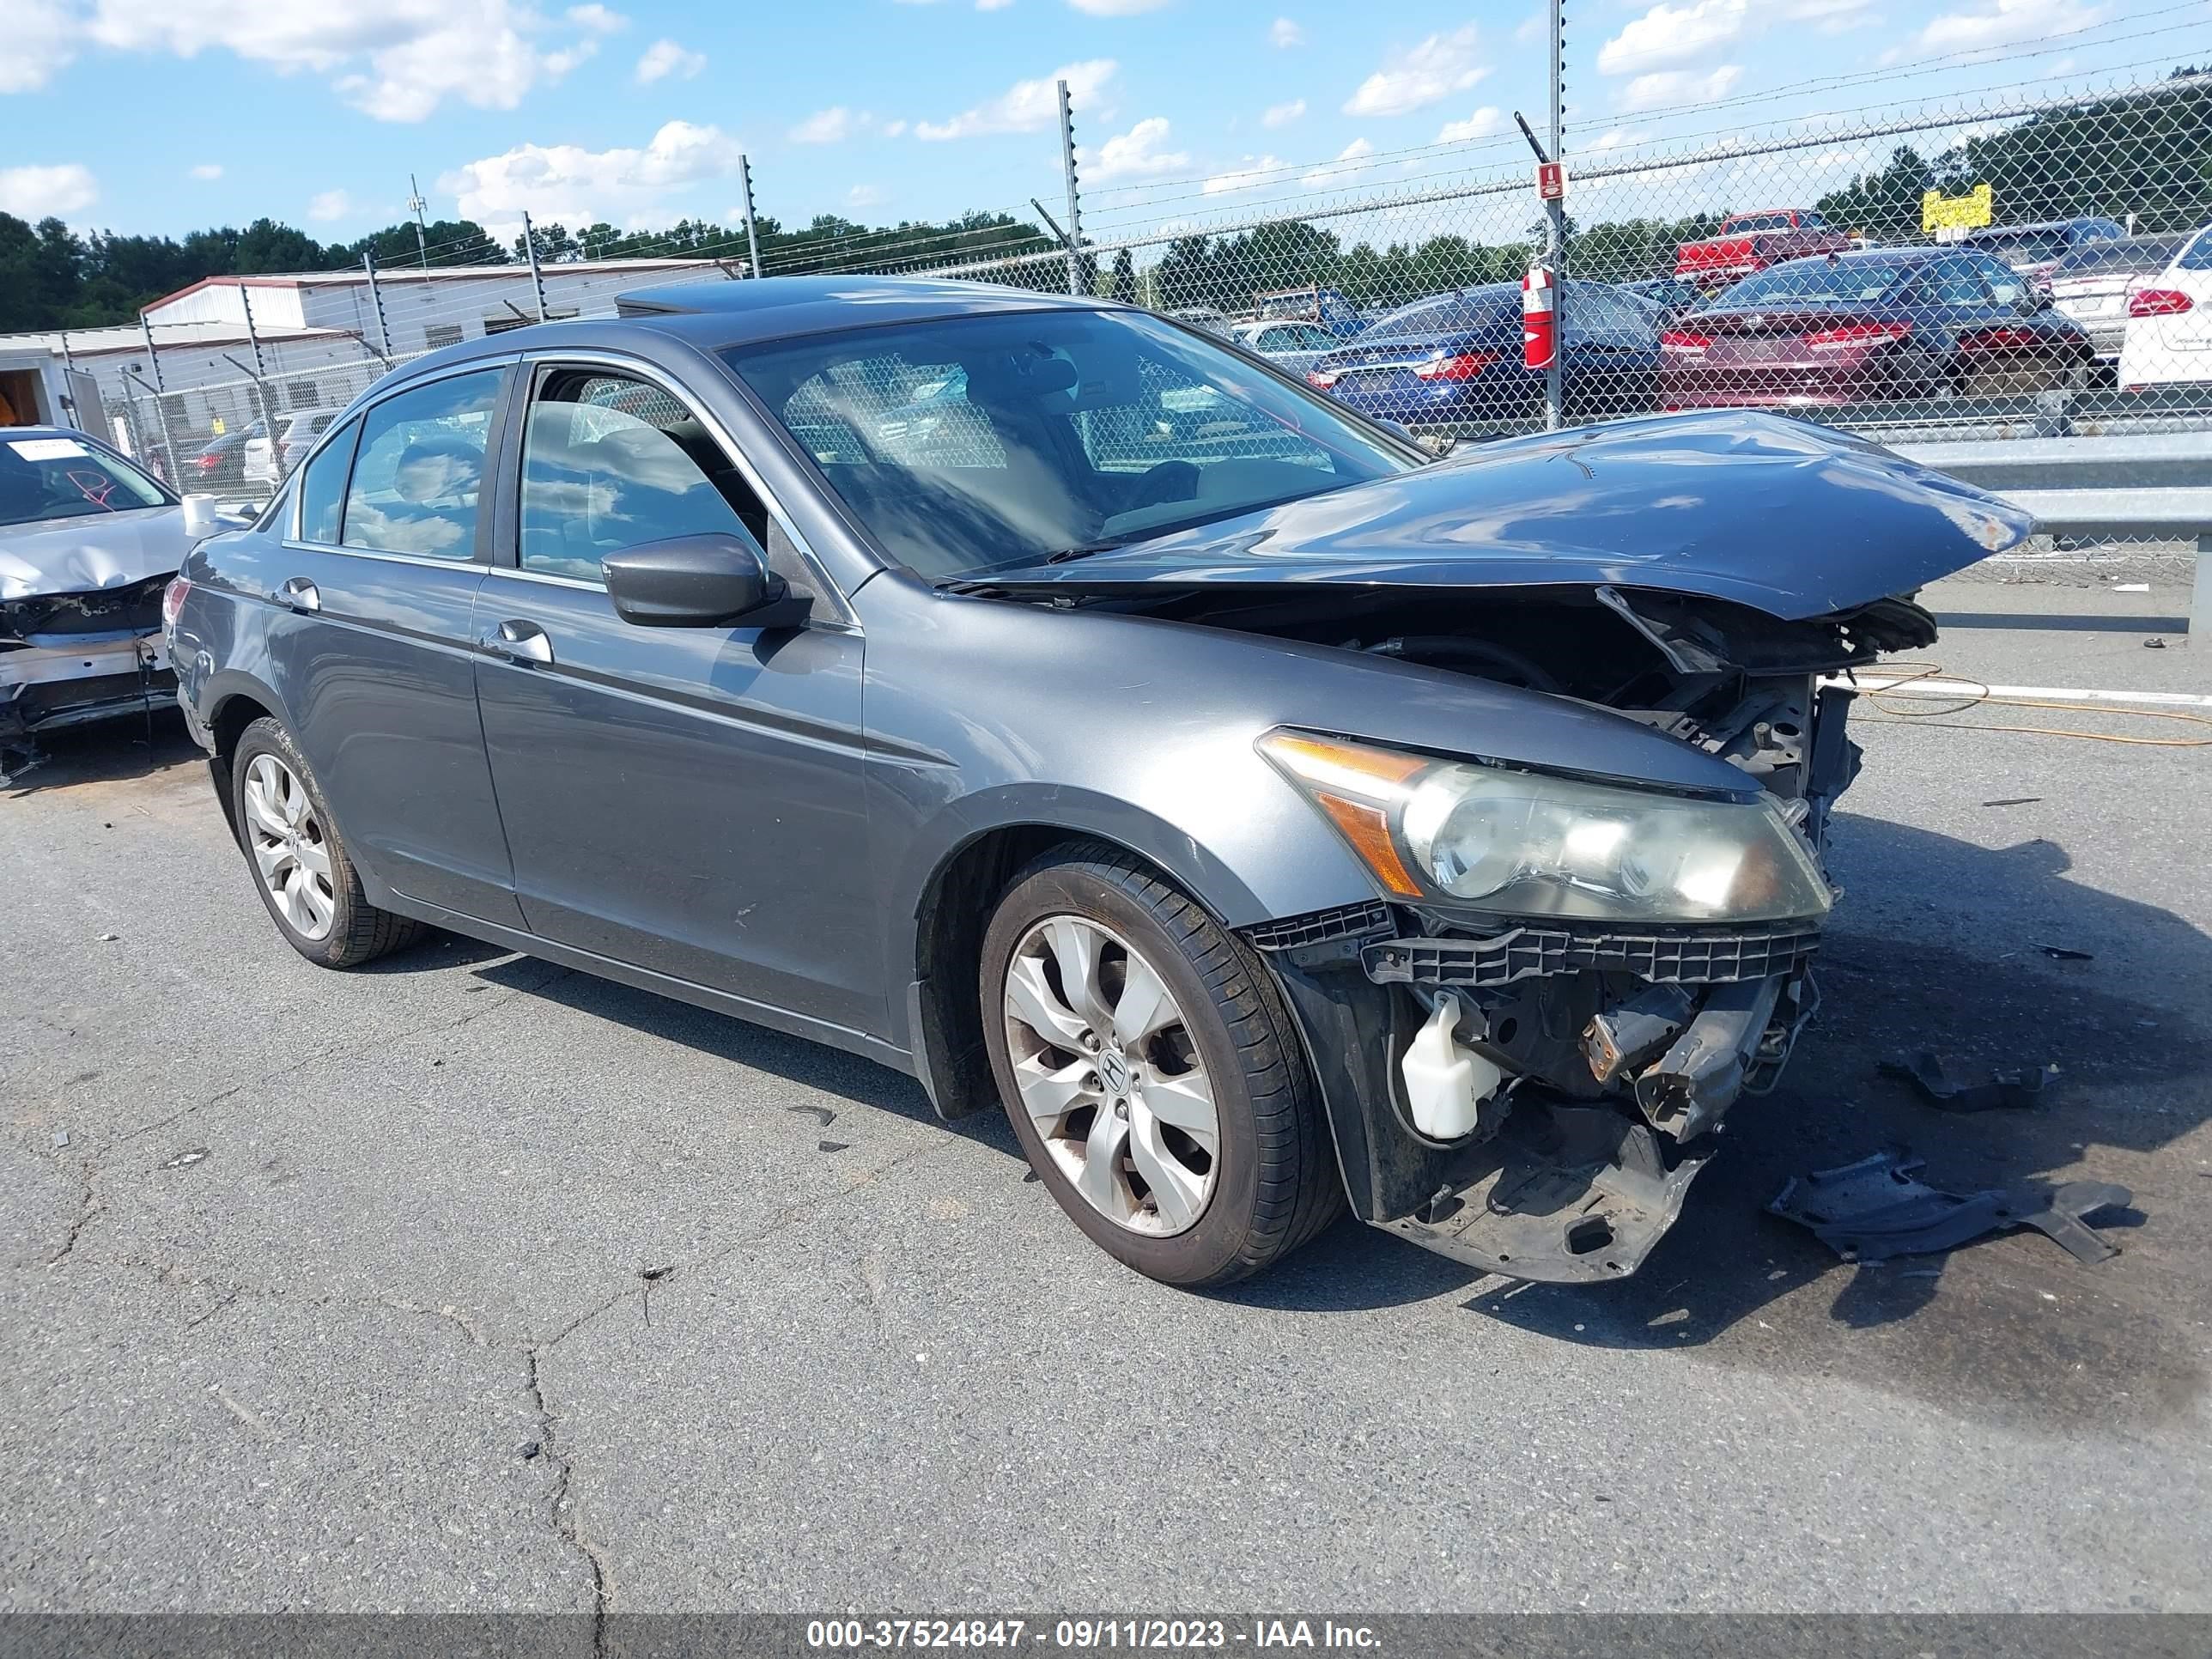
{"points": [[2169, 337], [296, 435], [2092, 284], [1292, 345]]}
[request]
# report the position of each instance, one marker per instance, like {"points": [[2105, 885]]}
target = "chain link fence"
{"points": [[2019, 266]]}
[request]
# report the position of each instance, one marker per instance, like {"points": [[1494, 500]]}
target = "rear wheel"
{"points": [[1150, 1071], [299, 860]]}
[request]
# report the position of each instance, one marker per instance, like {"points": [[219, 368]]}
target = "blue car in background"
{"points": [[1456, 359]]}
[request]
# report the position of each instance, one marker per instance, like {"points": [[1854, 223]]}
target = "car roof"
{"points": [[1980, 231], [775, 306]]}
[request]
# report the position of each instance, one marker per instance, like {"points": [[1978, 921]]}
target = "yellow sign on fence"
{"points": [[1967, 212]]}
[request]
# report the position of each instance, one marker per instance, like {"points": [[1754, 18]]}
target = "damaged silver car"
{"points": [[1267, 816], [88, 542]]}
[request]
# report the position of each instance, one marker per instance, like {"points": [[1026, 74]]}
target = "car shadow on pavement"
{"points": [[131, 746], [2010, 1327]]}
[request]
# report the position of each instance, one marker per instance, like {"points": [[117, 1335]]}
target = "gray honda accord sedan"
{"points": [[1065, 707]]}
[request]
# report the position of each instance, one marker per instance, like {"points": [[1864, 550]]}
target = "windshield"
{"points": [[1818, 281], [1461, 313], [2023, 247], [983, 443], [60, 477]]}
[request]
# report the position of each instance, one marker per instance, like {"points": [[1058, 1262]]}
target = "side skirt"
{"points": [[645, 979]]}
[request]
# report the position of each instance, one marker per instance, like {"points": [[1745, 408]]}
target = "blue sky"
{"points": [[166, 115]]}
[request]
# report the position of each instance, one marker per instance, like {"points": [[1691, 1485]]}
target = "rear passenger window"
{"points": [[415, 486], [610, 462]]}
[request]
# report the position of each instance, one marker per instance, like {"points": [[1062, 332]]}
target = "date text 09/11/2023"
{"points": [[1087, 1634]]}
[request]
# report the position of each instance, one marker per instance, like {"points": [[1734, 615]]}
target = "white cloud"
{"points": [[572, 186], [826, 126], [993, 5], [2007, 22], [1536, 26], [1440, 66], [397, 60], [1673, 34], [1481, 125], [1136, 154], [1830, 16], [35, 192], [892, 129], [663, 58], [1251, 173], [1346, 167], [1285, 34], [329, 205], [1116, 8], [1026, 106], [1281, 115], [208, 171], [1666, 87], [41, 39], [868, 196]]}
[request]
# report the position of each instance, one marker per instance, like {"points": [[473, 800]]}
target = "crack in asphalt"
{"points": [[85, 1211], [566, 1522]]}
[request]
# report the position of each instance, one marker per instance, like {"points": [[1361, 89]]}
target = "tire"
{"points": [[356, 931], [1272, 1182]]}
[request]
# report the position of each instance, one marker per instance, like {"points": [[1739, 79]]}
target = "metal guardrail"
{"points": [[2129, 488]]}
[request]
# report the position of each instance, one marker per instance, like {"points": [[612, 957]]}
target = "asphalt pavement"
{"points": [[468, 1282]]}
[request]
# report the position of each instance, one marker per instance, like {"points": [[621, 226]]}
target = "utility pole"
{"points": [[752, 237], [416, 205], [1556, 218], [376, 302], [537, 281], [1074, 237]]}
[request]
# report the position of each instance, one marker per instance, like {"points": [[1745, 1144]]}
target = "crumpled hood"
{"points": [[84, 555], [1794, 519]]}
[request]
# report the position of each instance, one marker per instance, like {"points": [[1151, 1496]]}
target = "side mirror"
{"points": [[699, 582]]}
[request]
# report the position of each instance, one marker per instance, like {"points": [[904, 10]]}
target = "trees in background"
{"points": [[2149, 154]]}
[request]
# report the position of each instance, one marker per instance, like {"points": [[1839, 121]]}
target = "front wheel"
{"points": [[1151, 1074]]}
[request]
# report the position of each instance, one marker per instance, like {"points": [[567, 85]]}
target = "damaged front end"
{"points": [[68, 658], [1534, 1093]]}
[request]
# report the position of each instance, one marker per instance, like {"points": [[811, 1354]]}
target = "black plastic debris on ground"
{"points": [[2018, 1087], [2066, 953], [1879, 1207]]}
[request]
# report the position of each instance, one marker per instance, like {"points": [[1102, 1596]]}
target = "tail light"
{"points": [[2159, 302], [1458, 365], [1857, 334], [1683, 344], [208, 463], [173, 600], [2002, 339], [1323, 378]]}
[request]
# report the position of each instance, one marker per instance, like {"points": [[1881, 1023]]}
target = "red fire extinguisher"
{"points": [[1540, 319]]}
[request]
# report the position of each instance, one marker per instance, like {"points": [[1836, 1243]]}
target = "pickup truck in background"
{"points": [[1752, 241]]}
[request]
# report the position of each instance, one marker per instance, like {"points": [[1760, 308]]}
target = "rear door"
{"points": [[686, 800], [376, 661]]}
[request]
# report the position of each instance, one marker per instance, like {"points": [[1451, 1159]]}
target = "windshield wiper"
{"points": [[1069, 555]]}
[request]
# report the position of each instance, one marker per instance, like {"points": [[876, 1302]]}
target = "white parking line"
{"points": [[1906, 685]]}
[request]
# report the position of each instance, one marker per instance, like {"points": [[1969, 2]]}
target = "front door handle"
{"points": [[300, 593], [518, 642]]}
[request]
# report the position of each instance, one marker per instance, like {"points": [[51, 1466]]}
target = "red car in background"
{"points": [[1748, 242], [1871, 327]]}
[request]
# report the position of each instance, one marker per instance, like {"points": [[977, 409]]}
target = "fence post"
{"points": [[376, 300], [536, 281], [1074, 196], [1555, 216], [2200, 600], [162, 423], [261, 381], [753, 238], [69, 387]]}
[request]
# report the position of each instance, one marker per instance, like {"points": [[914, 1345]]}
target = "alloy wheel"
{"points": [[1110, 1075], [289, 851]]}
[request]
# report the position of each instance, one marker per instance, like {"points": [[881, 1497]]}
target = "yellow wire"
{"points": [[1915, 672]]}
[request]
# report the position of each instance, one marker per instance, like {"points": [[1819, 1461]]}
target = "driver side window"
{"points": [[610, 461]]}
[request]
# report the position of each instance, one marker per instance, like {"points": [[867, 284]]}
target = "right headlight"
{"points": [[1517, 843]]}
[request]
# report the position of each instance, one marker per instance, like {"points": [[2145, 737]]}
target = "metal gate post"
{"points": [[1074, 196], [1555, 217]]}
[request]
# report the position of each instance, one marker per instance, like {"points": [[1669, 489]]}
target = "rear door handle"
{"points": [[519, 642], [300, 593]]}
